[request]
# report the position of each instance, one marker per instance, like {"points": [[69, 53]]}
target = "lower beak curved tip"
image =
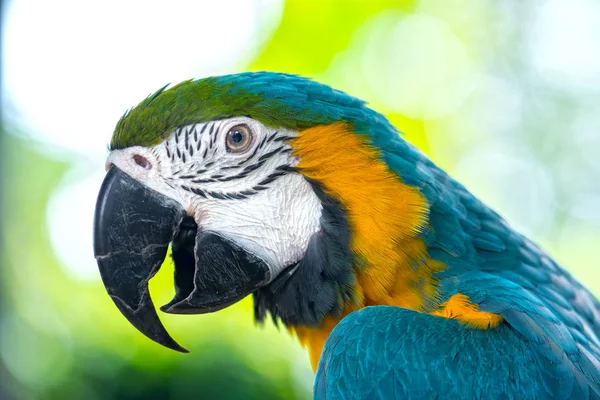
{"points": [[145, 320]]}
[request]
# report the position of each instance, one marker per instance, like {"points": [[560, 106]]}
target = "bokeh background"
{"points": [[505, 95]]}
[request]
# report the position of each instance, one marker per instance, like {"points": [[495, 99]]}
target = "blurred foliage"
{"points": [[460, 82]]}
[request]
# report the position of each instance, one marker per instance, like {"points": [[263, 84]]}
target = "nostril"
{"points": [[142, 161]]}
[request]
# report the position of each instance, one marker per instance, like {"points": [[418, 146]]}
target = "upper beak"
{"points": [[133, 226]]}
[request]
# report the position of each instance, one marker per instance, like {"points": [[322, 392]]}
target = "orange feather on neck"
{"points": [[385, 216]]}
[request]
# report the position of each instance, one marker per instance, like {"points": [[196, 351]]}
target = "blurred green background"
{"points": [[505, 95]]}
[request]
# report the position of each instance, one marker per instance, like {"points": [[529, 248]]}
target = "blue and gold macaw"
{"points": [[398, 280]]}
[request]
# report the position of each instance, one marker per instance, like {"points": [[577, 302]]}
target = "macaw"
{"points": [[398, 280]]}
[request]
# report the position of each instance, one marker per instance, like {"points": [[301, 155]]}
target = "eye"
{"points": [[238, 138]]}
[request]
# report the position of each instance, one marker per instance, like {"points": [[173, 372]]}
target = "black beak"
{"points": [[133, 227]]}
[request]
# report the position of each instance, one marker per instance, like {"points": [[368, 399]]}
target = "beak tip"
{"points": [[176, 308], [180, 349], [145, 320], [170, 343], [166, 308]]}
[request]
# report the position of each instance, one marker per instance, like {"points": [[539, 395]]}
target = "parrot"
{"points": [[398, 281]]}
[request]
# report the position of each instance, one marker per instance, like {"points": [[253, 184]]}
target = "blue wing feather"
{"points": [[389, 353]]}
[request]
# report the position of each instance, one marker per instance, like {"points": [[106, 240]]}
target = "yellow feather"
{"points": [[460, 307]]}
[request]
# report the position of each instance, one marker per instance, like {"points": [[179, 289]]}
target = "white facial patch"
{"points": [[252, 197]]}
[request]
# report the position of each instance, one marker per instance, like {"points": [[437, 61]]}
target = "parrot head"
{"points": [[256, 181]]}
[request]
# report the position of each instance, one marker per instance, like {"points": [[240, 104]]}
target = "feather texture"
{"points": [[387, 352]]}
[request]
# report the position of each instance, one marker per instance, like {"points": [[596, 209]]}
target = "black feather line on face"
{"points": [[271, 177], [283, 138], [251, 156], [270, 154], [320, 283], [208, 180], [187, 137], [231, 178], [252, 167], [272, 136]]}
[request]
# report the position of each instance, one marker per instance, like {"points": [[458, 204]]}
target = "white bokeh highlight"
{"points": [[417, 54], [413, 64], [70, 223], [72, 68], [564, 43], [511, 181]]}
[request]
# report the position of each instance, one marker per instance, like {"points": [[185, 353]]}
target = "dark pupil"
{"points": [[237, 137]]}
